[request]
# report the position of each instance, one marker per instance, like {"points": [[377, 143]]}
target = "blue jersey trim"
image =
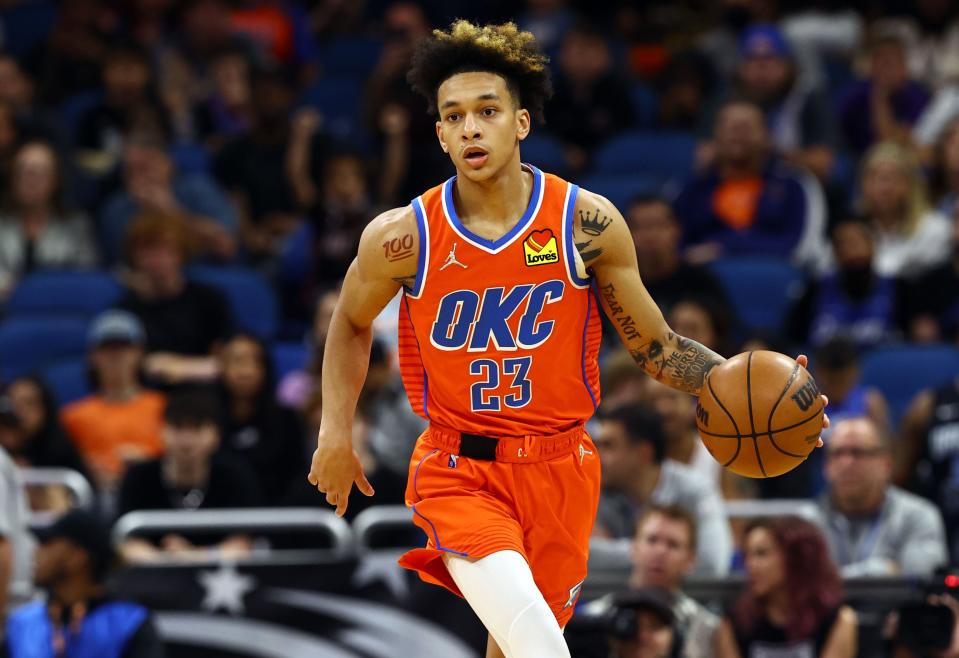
{"points": [[568, 238], [422, 260], [589, 312], [436, 537], [535, 200]]}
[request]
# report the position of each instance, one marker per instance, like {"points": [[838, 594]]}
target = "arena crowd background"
{"points": [[184, 183]]}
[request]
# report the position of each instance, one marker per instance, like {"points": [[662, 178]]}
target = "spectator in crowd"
{"points": [[684, 86], [855, 300], [802, 126], [655, 634], [676, 411], [705, 318], [927, 458], [793, 597], [930, 34], [730, 20], [44, 443], [10, 137], [151, 185], [392, 425], [933, 298], [912, 237], [297, 388], [80, 616], [394, 113], [657, 235], [944, 183], [884, 106], [205, 29], [191, 474], [632, 448], [128, 106], [17, 91], [280, 32], [119, 422], [16, 542], [339, 217], [748, 202], [36, 230], [159, 294], [591, 103], [230, 104], [548, 20], [873, 527], [267, 437], [70, 61], [622, 382]]}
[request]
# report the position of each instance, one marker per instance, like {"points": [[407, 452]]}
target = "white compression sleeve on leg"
{"points": [[500, 589]]}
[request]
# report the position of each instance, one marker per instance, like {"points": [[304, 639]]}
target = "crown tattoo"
{"points": [[593, 225]]}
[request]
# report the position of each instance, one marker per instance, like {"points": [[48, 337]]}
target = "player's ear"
{"points": [[523, 124], [439, 137]]}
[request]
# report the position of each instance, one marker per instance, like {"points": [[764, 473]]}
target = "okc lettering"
{"points": [[806, 395], [470, 318]]}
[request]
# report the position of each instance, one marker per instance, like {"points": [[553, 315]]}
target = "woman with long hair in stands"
{"points": [[793, 597]]}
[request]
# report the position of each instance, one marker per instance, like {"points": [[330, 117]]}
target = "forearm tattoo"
{"points": [[678, 362]]}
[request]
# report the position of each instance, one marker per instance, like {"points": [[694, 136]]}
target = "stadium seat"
{"points": [[29, 344], [27, 25], [296, 256], [68, 380], [544, 151], [621, 188], [338, 99], [761, 289], [661, 155], [252, 301], [289, 356], [82, 294], [901, 371], [350, 56]]}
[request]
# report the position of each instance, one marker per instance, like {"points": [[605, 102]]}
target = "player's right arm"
{"points": [[382, 265]]}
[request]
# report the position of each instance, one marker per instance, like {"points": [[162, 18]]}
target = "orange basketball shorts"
{"points": [[538, 498]]}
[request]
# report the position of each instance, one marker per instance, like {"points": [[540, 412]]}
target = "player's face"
{"points": [[662, 553], [765, 563], [480, 125]]}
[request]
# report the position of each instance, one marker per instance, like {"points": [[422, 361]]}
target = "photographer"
{"points": [[642, 625], [926, 629]]}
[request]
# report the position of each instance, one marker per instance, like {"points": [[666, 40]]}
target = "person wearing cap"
{"points": [[79, 616], [16, 542], [642, 625], [120, 421]]}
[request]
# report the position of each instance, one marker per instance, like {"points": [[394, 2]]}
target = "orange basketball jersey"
{"points": [[500, 337]]}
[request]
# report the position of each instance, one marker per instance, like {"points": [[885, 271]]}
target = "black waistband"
{"points": [[476, 446]]}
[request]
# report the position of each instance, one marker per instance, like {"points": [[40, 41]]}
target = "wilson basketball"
{"points": [[760, 414]]}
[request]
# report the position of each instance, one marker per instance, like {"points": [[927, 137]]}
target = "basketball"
{"points": [[760, 414]]}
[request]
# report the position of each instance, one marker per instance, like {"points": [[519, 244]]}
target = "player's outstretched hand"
{"points": [[335, 468], [803, 360]]}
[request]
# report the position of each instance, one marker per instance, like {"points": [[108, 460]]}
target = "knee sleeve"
{"points": [[501, 590]]}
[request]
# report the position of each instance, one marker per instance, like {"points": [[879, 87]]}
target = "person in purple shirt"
{"points": [[885, 105]]}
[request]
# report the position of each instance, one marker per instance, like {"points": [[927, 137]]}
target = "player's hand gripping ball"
{"points": [[760, 414]]}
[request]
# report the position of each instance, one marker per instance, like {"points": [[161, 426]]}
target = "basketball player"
{"points": [[502, 268]]}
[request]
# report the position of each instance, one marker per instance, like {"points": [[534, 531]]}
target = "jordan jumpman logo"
{"points": [[451, 259]]}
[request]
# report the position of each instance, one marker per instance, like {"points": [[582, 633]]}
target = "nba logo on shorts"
{"points": [[452, 461], [540, 248]]}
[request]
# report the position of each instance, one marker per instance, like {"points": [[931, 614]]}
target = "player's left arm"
{"points": [[604, 243]]}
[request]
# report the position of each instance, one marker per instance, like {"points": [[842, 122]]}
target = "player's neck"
{"points": [[502, 198]]}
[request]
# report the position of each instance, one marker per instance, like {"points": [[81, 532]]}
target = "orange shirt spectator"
{"points": [[120, 422]]}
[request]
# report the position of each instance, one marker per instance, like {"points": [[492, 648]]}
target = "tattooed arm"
{"points": [[386, 260], [604, 244]]}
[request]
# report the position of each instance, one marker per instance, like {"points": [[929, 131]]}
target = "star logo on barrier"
{"points": [[225, 588]]}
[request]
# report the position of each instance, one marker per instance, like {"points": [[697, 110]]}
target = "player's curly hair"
{"points": [[502, 49]]}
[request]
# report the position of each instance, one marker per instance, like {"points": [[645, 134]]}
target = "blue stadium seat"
{"points": [[643, 100], [901, 371], [658, 154], [621, 188], [350, 56], [82, 294], [296, 256], [339, 100], [27, 25], [68, 380], [29, 344], [252, 301], [73, 109], [289, 356], [761, 289], [544, 151]]}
